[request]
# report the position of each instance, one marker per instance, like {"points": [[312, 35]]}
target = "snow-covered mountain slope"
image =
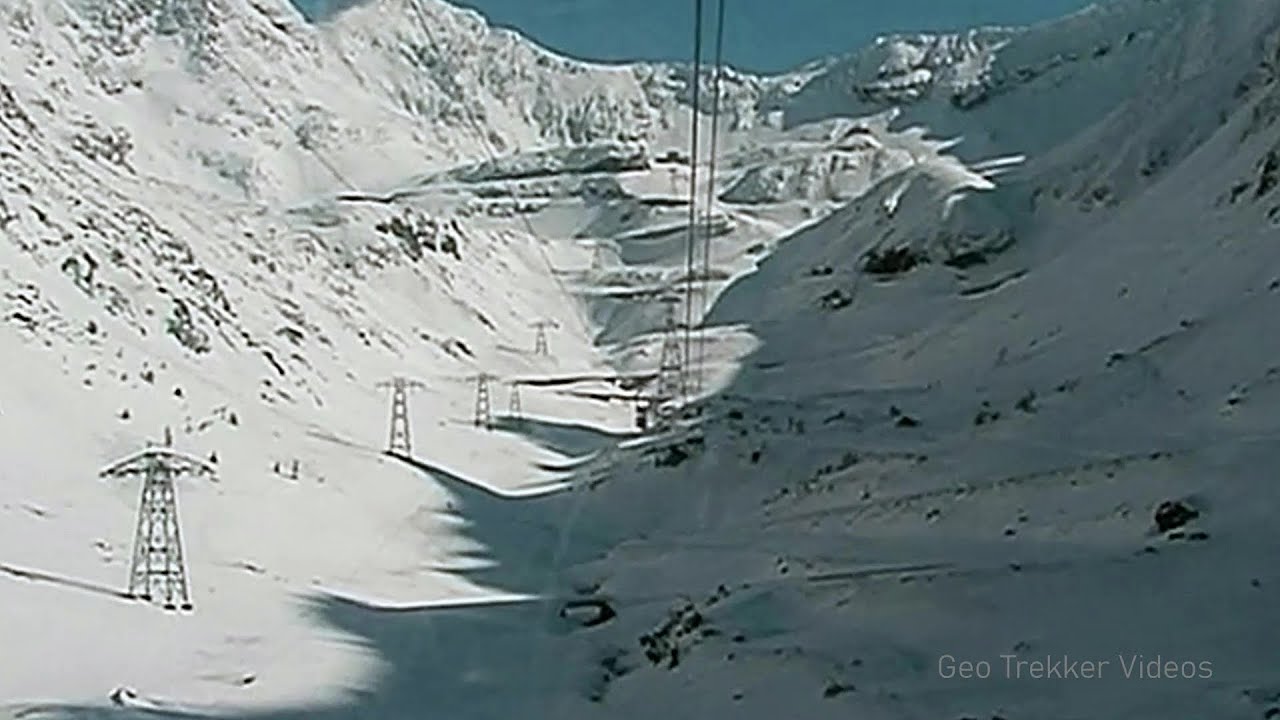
{"points": [[140, 291], [948, 382], [1029, 91]]}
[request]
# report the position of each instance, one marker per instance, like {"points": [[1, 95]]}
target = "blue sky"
{"points": [[763, 35]]}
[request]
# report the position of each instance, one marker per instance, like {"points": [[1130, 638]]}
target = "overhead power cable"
{"points": [[693, 193], [579, 314], [569, 522], [711, 192], [333, 170], [266, 104]]}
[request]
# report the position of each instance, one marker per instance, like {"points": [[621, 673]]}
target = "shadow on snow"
{"points": [[565, 438]]}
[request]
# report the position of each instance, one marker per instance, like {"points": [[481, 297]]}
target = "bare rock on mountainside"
{"points": [[1173, 514]]}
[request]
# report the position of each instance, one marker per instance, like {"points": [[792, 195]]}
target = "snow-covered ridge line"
{"points": [[448, 69]]}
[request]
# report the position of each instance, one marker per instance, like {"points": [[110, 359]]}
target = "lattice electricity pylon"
{"points": [[158, 569], [644, 407], [540, 340], [484, 414], [600, 470], [400, 440], [602, 255], [670, 363], [514, 409]]}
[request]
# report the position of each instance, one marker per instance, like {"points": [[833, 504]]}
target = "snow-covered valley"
{"points": [[987, 369]]}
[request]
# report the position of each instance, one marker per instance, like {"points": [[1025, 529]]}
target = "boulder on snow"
{"points": [[123, 696], [893, 261], [1173, 514], [588, 612]]}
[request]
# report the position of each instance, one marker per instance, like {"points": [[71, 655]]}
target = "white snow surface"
{"points": [[977, 305]]}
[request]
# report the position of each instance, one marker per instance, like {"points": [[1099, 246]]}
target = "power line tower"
{"points": [[540, 340], [158, 570], [597, 256], [484, 415], [644, 406], [599, 471], [399, 440], [514, 409], [671, 362]]}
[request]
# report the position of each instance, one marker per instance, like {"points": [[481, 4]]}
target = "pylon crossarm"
{"points": [[139, 463], [400, 382]]}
